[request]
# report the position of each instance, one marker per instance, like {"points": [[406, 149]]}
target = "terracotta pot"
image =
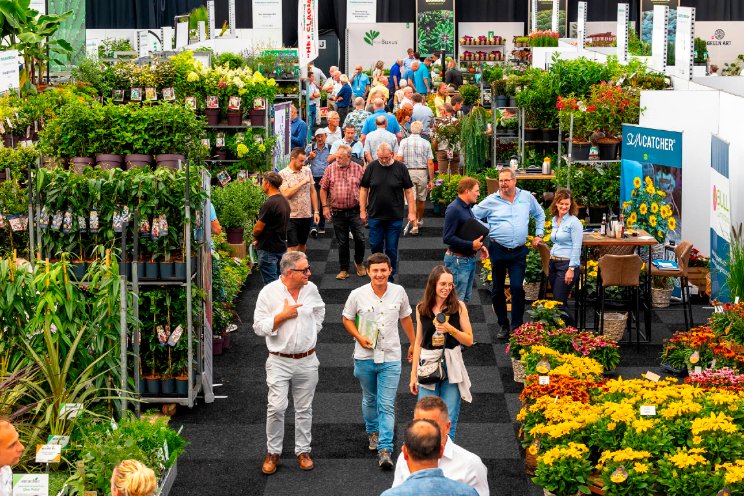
{"points": [[170, 160], [77, 164], [107, 161], [213, 116], [135, 160]]}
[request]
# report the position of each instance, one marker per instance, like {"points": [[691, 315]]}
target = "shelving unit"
{"points": [[498, 137], [523, 142], [227, 127], [490, 48]]}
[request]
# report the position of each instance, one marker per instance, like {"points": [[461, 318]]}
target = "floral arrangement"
{"points": [[546, 361], [647, 209], [559, 386], [564, 470], [569, 106], [544, 38], [625, 472], [697, 259], [680, 348], [548, 312], [723, 378], [606, 108]]}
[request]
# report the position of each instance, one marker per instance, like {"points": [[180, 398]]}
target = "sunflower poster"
{"points": [[435, 27], [651, 181]]}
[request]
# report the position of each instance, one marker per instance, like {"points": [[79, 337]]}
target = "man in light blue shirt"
{"points": [[370, 124], [422, 78], [423, 114], [421, 451], [408, 61], [508, 213], [359, 82]]}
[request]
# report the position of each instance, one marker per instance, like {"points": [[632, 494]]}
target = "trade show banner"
{"points": [[683, 47], [657, 154], [545, 15], [368, 43], [361, 11], [435, 27], [647, 17], [282, 133], [623, 11], [720, 218], [307, 31]]}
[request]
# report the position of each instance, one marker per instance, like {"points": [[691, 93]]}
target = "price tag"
{"points": [[61, 440], [543, 380], [648, 410], [652, 377], [48, 453], [698, 369], [30, 484], [713, 364], [70, 410]]}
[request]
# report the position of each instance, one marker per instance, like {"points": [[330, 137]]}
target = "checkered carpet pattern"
{"points": [[227, 438]]}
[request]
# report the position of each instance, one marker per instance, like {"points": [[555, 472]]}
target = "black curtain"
{"points": [[135, 14]]}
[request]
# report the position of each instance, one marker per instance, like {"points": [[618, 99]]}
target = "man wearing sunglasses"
{"points": [[289, 314]]}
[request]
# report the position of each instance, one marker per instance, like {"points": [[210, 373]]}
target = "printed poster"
{"points": [[361, 11], [720, 219], [435, 27]]}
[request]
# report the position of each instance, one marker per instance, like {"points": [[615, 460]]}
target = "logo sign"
{"points": [[657, 146]]}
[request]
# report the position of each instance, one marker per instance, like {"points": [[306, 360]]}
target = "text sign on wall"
{"points": [[361, 11], [623, 12], [267, 14], [684, 44], [365, 49]]}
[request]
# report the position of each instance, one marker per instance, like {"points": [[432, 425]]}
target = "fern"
{"points": [[474, 140]]}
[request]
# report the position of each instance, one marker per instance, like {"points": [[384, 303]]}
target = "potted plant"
{"points": [[231, 203], [571, 107], [469, 93], [698, 268], [564, 470], [151, 357], [533, 275], [607, 108]]}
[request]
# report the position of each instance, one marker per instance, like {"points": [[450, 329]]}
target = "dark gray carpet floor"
{"points": [[227, 438]]}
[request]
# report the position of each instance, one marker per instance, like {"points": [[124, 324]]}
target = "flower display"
{"points": [[723, 378], [564, 470], [639, 210], [548, 312], [604, 110], [546, 361]]}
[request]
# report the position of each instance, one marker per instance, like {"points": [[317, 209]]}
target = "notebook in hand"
{"points": [[472, 229]]}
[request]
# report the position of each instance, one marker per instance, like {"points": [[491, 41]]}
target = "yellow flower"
{"points": [[650, 189], [649, 181], [654, 207], [713, 423], [733, 472], [662, 194], [632, 219], [637, 182], [192, 77], [660, 234], [611, 426], [573, 450], [242, 150], [633, 193], [643, 209], [643, 425], [261, 147], [640, 468], [652, 220], [684, 459], [697, 439], [672, 223]]}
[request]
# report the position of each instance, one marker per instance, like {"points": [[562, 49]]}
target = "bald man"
{"points": [[11, 450]]}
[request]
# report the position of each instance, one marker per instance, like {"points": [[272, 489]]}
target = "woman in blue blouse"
{"points": [[565, 255]]}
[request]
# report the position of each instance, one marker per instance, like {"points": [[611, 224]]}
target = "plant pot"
{"points": [[169, 160], [519, 370], [77, 270], [226, 341], [167, 270], [436, 208], [142, 385], [580, 150], [108, 161], [168, 386], [235, 235], [141, 271], [128, 271], [614, 325], [234, 117], [660, 297], [608, 149], [532, 134], [221, 153], [501, 101], [150, 271], [216, 345], [531, 291], [512, 102], [182, 386], [179, 271], [213, 116], [135, 160], [153, 385], [258, 117], [549, 134], [77, 164]]}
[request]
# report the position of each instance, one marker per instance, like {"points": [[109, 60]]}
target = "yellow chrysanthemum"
{"points": [[643, 209], [655, 207], [640, 468], [672, 223], [713, 423], [733, 472], [652, 220], [637, 182]]}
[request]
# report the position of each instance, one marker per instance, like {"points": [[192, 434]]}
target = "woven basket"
{"points": [[519, 372], [614, 325], [531, 291], [616, 250], [660, 297]]}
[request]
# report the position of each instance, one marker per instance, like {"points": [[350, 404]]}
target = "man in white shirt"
{"points": [[289, 313], [377, 137], [371, 316], [11, 450], [456, 462]]}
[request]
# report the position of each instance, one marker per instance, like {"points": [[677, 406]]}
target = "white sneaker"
{"points": [[421, 223]]}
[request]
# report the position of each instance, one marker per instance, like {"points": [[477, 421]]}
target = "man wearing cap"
{"points": [[317, 159]]}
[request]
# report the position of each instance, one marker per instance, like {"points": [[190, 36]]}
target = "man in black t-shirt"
{"points": [[383, 185], [270, 231]]}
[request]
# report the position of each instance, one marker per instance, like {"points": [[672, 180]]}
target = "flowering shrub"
{"points": [[647, 209], [564, 470], [605, 109], [548, 312], [687, 472]]}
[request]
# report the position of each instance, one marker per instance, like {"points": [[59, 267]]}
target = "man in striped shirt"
{"points": [[415, 152], [341, 182]]}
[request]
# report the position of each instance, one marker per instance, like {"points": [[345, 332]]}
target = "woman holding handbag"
{"points": [[442, 328]]}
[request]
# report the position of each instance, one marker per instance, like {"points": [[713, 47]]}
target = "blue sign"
{"points": [[654, 146]]}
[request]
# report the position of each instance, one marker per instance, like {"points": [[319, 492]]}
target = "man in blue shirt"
{"points": [[317, 159], [370, 125], [508, 213], [421, 77], [298, 129], [408, 61], [394, 81], [343, 98], [461, 253], [359, 82], [421, 451]]}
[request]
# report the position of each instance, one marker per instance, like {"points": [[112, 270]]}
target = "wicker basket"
{"points": [[616, 250], [614, 325], [519, 372], [660, 297], [531, 291]]}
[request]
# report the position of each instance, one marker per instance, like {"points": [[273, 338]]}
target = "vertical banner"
{"points": [[720, 219], [659, 37], [656, 154], [267, 14], [210, 20], [361, 11], [435, 27], [206, 275], [684, 42], [648, 16], [282, 133], [545, 14], [533, 16], [72, 30], [623, 16], [307, 31], [581, 26], [554, 16]]}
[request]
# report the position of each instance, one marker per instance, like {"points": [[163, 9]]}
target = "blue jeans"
{"points": [[450, 394], [463, 270], [379, 386], [384, 235], [514, 261], [322, 217], [268, 264], [311, 122]]}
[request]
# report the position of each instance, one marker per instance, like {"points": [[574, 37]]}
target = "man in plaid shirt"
{"points": [[358, 117], [416, 153], [341, 182]]}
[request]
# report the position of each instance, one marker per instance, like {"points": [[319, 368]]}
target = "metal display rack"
{"points": [[568, 158], [228, 127], [522, 141]]}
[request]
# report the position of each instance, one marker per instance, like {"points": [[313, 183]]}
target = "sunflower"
{"points": [[650, 189], [655, 207], [643, 209], [660, 235], [672, 224], [637, 182], [649, 181], [652, 220], [632, 219]]}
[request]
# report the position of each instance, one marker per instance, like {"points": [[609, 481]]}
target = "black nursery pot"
{"points": [[151, 271], [179, 270], [168, 386], [182, 387], [153, 385], [166, 270], [77, 270]]}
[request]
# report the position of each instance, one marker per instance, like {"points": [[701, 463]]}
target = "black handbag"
{"points": [[432, 371]]}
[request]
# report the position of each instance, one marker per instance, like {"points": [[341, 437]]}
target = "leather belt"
{"points": [[558, 258], [418, 168], [455, 254], [504, 247], [296, 356]]}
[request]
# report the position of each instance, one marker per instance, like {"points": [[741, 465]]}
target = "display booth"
{"points": [[368, 43]]}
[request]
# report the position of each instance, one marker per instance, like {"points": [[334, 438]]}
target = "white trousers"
{"points": [[302, 374]]}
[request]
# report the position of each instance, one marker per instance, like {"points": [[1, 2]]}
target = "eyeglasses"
{"points": [[304, 271]]}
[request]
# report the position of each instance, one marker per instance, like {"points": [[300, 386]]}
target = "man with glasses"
{"points": [[289, 314], [383, 186], [508, 213], [333, 130]]}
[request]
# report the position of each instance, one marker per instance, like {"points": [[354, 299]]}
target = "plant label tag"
{"points": [[726, 491], [114, 425], [736, 300], [30, 484], [70, 410], [648, 410], [652, 377], [698, 369], [61, 440], [48, 453], [166, 451], [543, 380], [713, 364]]}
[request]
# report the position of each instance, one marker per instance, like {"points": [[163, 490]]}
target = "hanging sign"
{"points": [[554, 16], [659, 37], [361, 11], [9, 71], [267, 14], [720, 219], [435, 27], [622, 32], [684, 42], [648, 16], [307, 31], [581, 26]]}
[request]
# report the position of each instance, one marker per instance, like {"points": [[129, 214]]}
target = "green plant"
{"points": [[533, 273], [230, 60], [564, 470], [701, 51], [469, 93], [475, 141], [445, 188], [733, 68], [636, 46], [233, 203], [544, 39], [109, 46], [735, 263]]}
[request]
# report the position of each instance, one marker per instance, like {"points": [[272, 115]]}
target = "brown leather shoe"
{"points": [[306, 463], [270, 463], [342, 275], [360, 270]]}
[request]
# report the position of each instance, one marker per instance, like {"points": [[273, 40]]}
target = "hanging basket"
{"points": [[660, 297], [614, 325], [531, 291], [519, 370]]}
